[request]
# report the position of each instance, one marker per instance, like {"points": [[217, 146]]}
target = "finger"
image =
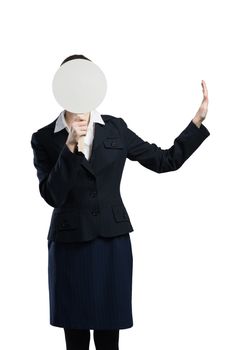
{"points": [[76, 117], [79, 123], [81, 116], [205, 91], [83, 122]]}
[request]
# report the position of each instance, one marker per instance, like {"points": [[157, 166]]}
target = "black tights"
{"points": [[79, 339]]}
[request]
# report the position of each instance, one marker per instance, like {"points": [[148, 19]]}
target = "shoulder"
{"points": [[116, 125], [113, 120], [44, 130], [47, 127]]}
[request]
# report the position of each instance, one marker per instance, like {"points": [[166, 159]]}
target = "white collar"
{"points": [[95, 117]]}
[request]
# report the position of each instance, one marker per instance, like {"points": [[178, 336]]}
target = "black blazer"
{"points": [[85, 194]]}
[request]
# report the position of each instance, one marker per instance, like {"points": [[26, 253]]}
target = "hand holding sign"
{"points": [[77, 132]]}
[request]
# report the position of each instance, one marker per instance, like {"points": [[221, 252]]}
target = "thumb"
{"points": [[81, 116]]}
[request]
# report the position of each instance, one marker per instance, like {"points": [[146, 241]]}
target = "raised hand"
{"points": [[203, 109]]}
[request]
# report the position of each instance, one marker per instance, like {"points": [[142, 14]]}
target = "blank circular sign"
{"points": [[79, 86]]}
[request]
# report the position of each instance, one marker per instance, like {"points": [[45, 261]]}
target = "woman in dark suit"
{"points": [[90, 280]]}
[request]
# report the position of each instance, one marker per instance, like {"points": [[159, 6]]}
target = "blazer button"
{"points": [[91, 178], [95, 212], [93, 194], [64, 224]]}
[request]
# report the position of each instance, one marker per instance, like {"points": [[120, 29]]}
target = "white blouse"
{"points": [[95, 117]]}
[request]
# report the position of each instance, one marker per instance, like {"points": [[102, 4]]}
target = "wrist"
{"points": [[197, 121], [71, 146]]}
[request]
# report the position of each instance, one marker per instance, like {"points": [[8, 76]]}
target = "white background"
{"points": [[154, 55]]}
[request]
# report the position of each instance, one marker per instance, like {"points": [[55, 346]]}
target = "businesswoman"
{"points": [[89, 249]]}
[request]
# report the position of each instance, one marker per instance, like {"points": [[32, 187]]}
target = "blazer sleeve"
{"points": [[55, 180], [160, 160]]}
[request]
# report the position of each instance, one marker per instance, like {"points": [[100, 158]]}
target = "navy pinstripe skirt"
{"points": [[90, 283]]}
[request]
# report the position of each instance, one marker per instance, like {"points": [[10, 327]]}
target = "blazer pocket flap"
{"points": [[114, 142], [120, 213], [67, 219]]}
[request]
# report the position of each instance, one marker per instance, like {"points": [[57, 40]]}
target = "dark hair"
{"points": [[73, 57]]}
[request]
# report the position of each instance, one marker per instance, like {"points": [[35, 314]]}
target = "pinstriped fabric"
{"points": [[90, 283]]}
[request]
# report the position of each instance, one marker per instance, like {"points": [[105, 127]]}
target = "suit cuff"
{"points": [[76, 156], [202, 130]]}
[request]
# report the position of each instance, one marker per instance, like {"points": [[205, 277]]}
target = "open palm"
{"points": [[203, 109]]}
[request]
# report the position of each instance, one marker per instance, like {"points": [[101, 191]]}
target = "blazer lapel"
{"points": [[100, 132]]}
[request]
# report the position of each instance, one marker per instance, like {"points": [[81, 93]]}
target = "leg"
{"points": [[77, 339], [106, 339]]}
